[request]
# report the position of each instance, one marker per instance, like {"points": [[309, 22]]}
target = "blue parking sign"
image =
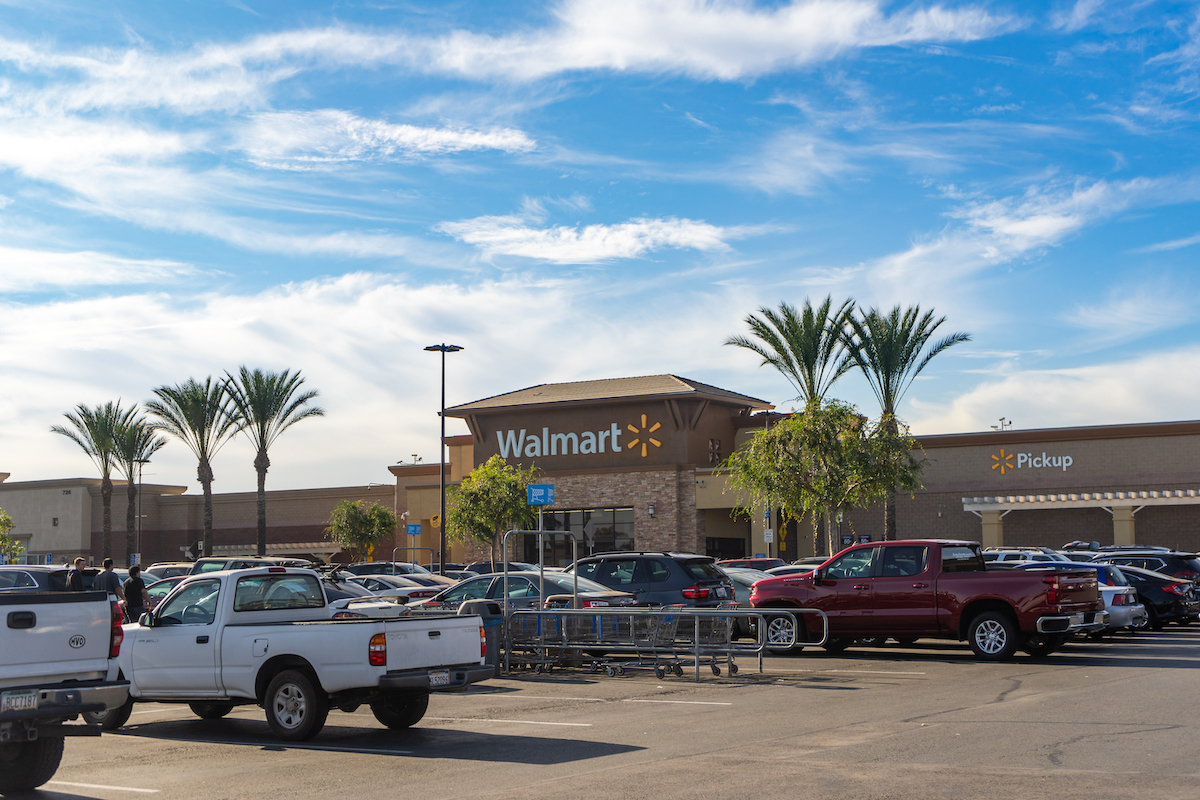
{"points": [[414, 529], [541, 494]]}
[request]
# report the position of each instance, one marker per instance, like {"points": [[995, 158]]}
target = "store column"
{"points": [[993, 528], [1123, 533]]}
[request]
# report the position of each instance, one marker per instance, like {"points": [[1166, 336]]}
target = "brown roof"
{"points": [[648, 386], [1079, 434]]}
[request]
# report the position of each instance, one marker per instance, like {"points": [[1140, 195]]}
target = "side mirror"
{"points": [[146, 620], [818, 577]]}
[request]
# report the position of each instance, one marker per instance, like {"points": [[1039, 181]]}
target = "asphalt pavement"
{"points": [[1109, 719]]}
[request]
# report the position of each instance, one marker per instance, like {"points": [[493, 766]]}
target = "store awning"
{"points": [[1108, 500], [321, 549]]}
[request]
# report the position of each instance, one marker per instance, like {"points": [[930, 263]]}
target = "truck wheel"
{"points": [[837, 645], [111, 719], [27, 765], [1040, 646], [400, 712], [993, 636], [210, 710], [781, 632], [296, 708]]}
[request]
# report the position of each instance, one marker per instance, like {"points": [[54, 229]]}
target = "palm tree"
{"points": [[807, 347], [136, 441], [95, 431], [200, 416], [890, 350], [265, 405]]}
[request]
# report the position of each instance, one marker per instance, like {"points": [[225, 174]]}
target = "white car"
{"points": [[395, 586]]}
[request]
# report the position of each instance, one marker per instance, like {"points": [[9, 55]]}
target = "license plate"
{"points": [[721, 592], [439, 677], [19, 701]]}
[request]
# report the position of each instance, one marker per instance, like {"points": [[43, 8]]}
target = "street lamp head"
{"points": [[444, 348]]}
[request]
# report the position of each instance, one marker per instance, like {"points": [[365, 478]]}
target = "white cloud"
{"points": [[331, 137], [795, 162], [1133, 313], [510, 235], [1157, 386], [1079, 15], [1173, 244], [29, 270]]}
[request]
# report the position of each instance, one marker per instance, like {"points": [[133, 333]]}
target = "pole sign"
{"points": [[768, 536], [49, 559], [414, 529], [541, 494]]}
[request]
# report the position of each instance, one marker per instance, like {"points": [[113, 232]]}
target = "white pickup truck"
{"points": [[57, 661], [268, 636]]}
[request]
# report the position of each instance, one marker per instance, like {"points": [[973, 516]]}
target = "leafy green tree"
{"points": [[9, 547], [489, 502], [95, 431], [807, 347], [136, 441], [891, 350], [266, 404], [358, 527], [199, 415], [821, 462]]}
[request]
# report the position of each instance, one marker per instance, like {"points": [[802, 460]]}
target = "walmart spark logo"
{"points": [[643, 431], [1004, 461]]}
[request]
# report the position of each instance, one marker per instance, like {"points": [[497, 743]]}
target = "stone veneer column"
{"points": [[993, 529], [1123, 533]]}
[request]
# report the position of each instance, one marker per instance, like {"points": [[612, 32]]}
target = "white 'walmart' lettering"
{"points": [[518, 443]]}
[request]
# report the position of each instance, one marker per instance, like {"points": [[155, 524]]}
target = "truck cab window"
{"points": [[904, 561], [194, 604], [855, 564]]}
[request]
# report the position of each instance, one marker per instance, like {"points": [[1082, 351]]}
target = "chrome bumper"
{"points": [[1083, 622], [420, 678]]}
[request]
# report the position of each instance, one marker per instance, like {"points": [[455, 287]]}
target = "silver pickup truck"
{"points": [[57, 661], [267, 636]]}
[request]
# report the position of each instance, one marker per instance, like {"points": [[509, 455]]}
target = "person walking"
{"points": [[75, 576], [137, 600], [109, 581]]}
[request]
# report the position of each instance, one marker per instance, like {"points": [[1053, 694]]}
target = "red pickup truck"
{"points": [[932, 588]]}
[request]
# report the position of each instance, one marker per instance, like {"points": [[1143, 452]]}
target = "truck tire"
{"points": [[992, 636], [1042, 645], [27, 765], [296, 708], [400, 712], [781, 629], [210, 710], [111, 719], [836, 645]]}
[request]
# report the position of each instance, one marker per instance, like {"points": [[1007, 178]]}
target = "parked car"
{"points": [[36, 578], [414, 572], [523, 592], [1166, 598], [490, 567], [793, 569], [160, 589], [991, 554], [218, 563], [1169, 562], [166, 569], [659, 578], [395, 586], [743, 579], [762, 564], [1120, 599], [456, 571]]}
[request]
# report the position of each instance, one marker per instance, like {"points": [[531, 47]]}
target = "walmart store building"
{"points": [[633, 464]]}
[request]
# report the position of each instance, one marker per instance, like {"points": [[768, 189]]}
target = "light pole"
{"points": [[141, 462], [443, 349]]}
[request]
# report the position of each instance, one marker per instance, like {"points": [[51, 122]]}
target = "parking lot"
{"points": [[1104, 719]]}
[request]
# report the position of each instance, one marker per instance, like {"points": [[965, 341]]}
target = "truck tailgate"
{"points": [[54, 636], [436, 641]]}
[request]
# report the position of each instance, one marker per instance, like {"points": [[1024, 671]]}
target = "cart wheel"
{"points": [[732, 668], [620, 670], [612, 673], [595, 666], [537, 669], [716, 670], [678, 669], [659, 672]]}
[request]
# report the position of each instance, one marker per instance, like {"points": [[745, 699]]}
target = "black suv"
{"points": [[660, 579], [1155, 559]]}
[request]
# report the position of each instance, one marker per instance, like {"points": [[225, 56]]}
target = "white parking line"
{"points": [[681, 702], [548, 697], [513, 721], [102, 786]]}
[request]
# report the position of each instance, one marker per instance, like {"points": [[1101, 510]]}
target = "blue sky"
{"points": [[585, 189]]}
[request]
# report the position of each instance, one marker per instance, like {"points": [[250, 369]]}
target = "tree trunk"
{"points": [[889, 518], [106, 493], [205, 474], [261, 464], [131, 518], [830, 550]]}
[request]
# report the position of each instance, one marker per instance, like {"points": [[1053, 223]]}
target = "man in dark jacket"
{"points": [[75, 576], [136, 598]]}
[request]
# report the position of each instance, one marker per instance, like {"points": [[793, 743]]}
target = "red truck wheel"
{"points": [[783, 635], [993, 636]]}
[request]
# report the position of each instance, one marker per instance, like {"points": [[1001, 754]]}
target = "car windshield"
{"points": [[559, 582]]}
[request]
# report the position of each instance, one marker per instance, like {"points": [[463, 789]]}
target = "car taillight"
{"points": [[1179, 589], [594, 603], [695, 592], [422, 595], [377, 651], [1188, 574], [1052, 591], [348, 615], [1118, 600], [117, 633], [482, 643]]}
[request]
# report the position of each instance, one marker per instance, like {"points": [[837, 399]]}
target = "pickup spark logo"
{"points": [[643, 431], [1003, 462]]}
